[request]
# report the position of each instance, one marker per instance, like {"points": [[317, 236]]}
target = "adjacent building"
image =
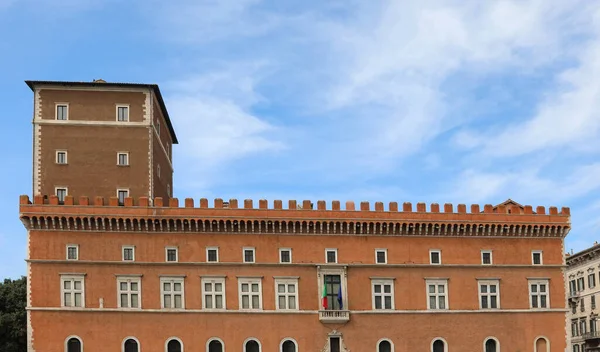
{"points": [[583, 277], [141, 272]]}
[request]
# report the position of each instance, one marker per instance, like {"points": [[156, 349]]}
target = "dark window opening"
{"points": [[334, 344], [288, 346], [73, 345], [438, 346], [385, 346], [131, 345], [215, 346], [252, 346], [174, 346], [490, 346]]}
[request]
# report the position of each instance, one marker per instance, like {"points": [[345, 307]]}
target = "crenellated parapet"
{"points": [[306, 217]]}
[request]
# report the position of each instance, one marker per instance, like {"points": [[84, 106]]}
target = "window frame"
{"points": [[382, 282], [172, 280], [386, 340], [487, 251], [281, 250], [539, 282], [73, 337], [335, 250], [213, 280], [123, 248], [60, 151], [130, 338], [214, 338], [211, 248], [489, 282], [167, 248], [119, 190], [437, 282], [592, 280], [441, 339], [286, 282], [72, 278], [176, 339], [56, 105], [252, 339], [56, 188], [385, 255], [117, 107], [72, 245], [119, 158], [288, 339], [493, 339], [158, 170], [253, 249], [439, 252], [250, 281], [541, 253], [128, 279]]}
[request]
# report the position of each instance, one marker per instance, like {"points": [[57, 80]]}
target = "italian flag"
{"points": [[324, 296]]}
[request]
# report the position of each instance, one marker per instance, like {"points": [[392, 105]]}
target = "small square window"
{"points": [[285, 255], [249, 255], [62, 111], [331, 255], [72, 252], [486, 257], [122, 194], [381, 256], [122, 113], [123, 159], [158, 170], [536, 257], [212, 254], [435, 256], [128, 253], [61, 157], [61, 193], [172, 255]]}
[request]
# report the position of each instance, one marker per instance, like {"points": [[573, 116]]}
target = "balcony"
{"points": [[334, 316], [592, 335], [574, 294]]}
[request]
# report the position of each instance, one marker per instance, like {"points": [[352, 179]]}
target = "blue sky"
{"points": [[420, 101]]}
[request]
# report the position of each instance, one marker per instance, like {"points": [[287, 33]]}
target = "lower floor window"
{"points": [[74, 345], [174, 346], [130, 345]]}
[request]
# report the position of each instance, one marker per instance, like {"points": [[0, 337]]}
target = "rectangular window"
{"points": [[593, 301], [129, 292], [437, 294], [122, 158], [62, 112], [381, 256], [123, 113], [383, 293], [172, 293], [286, 294], [158, 170], [582, 326], [171, 254], [121, 195], [574, 328], [72, 290], [128, 253], [593, 325], [212, 254], [334, 344], [249, 255], [61, 193], [592, 280], [536, 258], [332, 292], [486, 257], [572, 287], [582, 304], [61, 157], [489, 294], [538, 294], [250, 293], [158, 127], [435, 256], [285, 255], [72, 252], [331, 255], [213, 293], [580, 284]]}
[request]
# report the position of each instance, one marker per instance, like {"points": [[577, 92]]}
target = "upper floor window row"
{"points": [[61, 112]]}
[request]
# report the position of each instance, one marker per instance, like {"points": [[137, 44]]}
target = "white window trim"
{"points": [[253, 254], [384, 250], [167, 254], [286, 282], [118, 157], [56, 188], [212, 248], [322, 271], [437, 282], [545, 339], [76, 246], [497, 294], [172, 280], [289, 339], [250, 281], [130, 338], [285, 249], [538, 282], [541, 253], [117, 112], [68, 277], [385, 339], [392, 294], [214, 339], [214, 280], [123, 190], [441, 339], [128, 279], [66, 157], [173, 338], [250, 339], [56, 105], [491, 256], [336, 255], [73, 337], [431, 251], [123, 248]]}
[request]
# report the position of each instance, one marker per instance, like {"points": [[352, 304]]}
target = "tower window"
{"points": [[122, 158], [123, 113], [62, 111], [61, 157], [122, 194], [61, 193]]}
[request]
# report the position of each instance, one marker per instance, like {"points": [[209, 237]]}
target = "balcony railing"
{"points": [[574, 294], [591, 335], [334, 316]]}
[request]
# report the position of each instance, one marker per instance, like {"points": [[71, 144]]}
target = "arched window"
{"points": [[542, 345], [438, 346], [215, 346], [174, 345], [288, 346], [491, 345], [251, 346], [384, 346], [130, 345], [73, 344]]}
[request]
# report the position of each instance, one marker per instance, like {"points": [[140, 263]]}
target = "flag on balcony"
{"points": [[339, 298], [324, 296]]}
